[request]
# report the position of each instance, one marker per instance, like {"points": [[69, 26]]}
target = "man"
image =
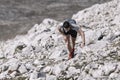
{"points": [[69, 30]]}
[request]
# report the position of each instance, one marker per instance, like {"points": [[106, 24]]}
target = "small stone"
{"points": [[51, 77], [22, 69]]}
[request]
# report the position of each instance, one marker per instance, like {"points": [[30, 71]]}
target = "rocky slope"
{"points": [[42, 55]]}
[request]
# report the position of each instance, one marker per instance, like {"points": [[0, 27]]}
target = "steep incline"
{"points": [[42, 54]]}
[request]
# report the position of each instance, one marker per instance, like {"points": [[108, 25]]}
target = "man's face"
{"points": [[67, 28]]}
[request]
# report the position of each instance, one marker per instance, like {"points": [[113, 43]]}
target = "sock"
{"points": [[71, 55]]}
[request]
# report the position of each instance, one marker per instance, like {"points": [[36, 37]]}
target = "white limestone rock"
{"points": [[13, 64], [14, 67], [51, 77], [109, 68], [1, 55], [34, 75], [97, 73], [73, 71], [36, 62], [30, 66], [47, 69], [13, 74], [3, 75], [114, 76], [22, 69], [57, 70]]}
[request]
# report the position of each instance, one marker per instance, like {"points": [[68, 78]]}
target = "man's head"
{"points": [[66, 24]]}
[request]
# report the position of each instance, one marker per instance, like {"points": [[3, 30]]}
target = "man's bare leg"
{"points": [[71, 55], [67, 40], [73, 42], [69, 46]]}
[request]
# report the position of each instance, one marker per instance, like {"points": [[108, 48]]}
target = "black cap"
{"points": [[66, 24]]}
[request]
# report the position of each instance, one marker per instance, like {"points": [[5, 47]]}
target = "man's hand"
{"points": [[82, 45]]}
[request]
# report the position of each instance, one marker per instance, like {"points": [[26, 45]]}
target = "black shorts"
{"points": [[73, 33]]}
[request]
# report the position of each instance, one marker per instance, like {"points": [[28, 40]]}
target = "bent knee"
{"points": [[67, 38]]}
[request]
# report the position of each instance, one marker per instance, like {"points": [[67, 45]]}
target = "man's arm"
{"points": [[82, 36], [60, 30]]}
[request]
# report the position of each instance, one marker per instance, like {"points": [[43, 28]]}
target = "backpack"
{"points": [[71, 21]]}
